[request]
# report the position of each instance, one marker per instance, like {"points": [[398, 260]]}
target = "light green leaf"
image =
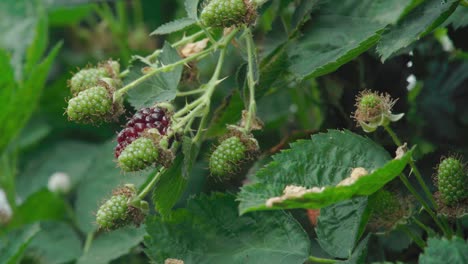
{"points": [[14, 243], [44, 245], [420, 21], [159, 88], [210, 231], [18, 25], [191, 6], [438, 251], [174, 26], [57, 158], [101, 177], [340, 32], [42, 205], [112, 245], [19, 101], [338, 226], [169, 188], [323, 161]]}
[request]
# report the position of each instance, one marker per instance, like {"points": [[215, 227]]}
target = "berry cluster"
{"points": [[227, 13], [146, 118], [93, 90]]}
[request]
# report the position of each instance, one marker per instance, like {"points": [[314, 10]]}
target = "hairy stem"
{"points": [[414, 168], [251, 115]]}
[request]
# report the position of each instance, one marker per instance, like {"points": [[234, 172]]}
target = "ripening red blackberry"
{"points": [[146, 118]]}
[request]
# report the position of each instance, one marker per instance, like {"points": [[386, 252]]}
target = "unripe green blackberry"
{"points": [[140, 154], [226, 157], [452, 180], [387, 208], [87, 78], [113, 213], [91, 105], [227, 13]]}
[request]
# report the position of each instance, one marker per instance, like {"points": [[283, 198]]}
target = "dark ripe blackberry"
{"points": [[145, 118]]}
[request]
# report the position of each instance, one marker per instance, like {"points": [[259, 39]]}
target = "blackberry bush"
{"points": [[230, 153]]}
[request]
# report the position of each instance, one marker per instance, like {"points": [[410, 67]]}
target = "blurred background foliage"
{"points": [[44, 41]]}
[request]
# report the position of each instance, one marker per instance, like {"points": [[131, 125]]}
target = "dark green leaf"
{"points": [[338, 226], [159, 88], [360, 253], [420, 21], [438, 251], [174, 26], [210, 231], [325, 160], [45, 244], [339, 33], [169, 188], [14, 243], [190, 150], [112, 245]]}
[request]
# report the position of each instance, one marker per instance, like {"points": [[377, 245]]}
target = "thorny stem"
{"points": [[187, 93], [202, 104], [321, 260], [165, 68], [415, 169], [251, 115], [155, 54]]}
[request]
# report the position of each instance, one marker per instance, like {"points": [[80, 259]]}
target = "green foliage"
{"points": [[209, 230], [287, 72], [174, 26], [420, 21], [169, 188], [53, 233], [110, 246], [445, 251], [323, 161], [159, 88], [13, 245]]}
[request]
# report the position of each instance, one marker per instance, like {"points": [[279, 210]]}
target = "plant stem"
{"points": [[88, 242], [251, 115], [165, 68], [421, 244], [415, 169], [151, 184], [187, 93], [424, 204], [423, 226], [201, 106], [321, 260]]}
